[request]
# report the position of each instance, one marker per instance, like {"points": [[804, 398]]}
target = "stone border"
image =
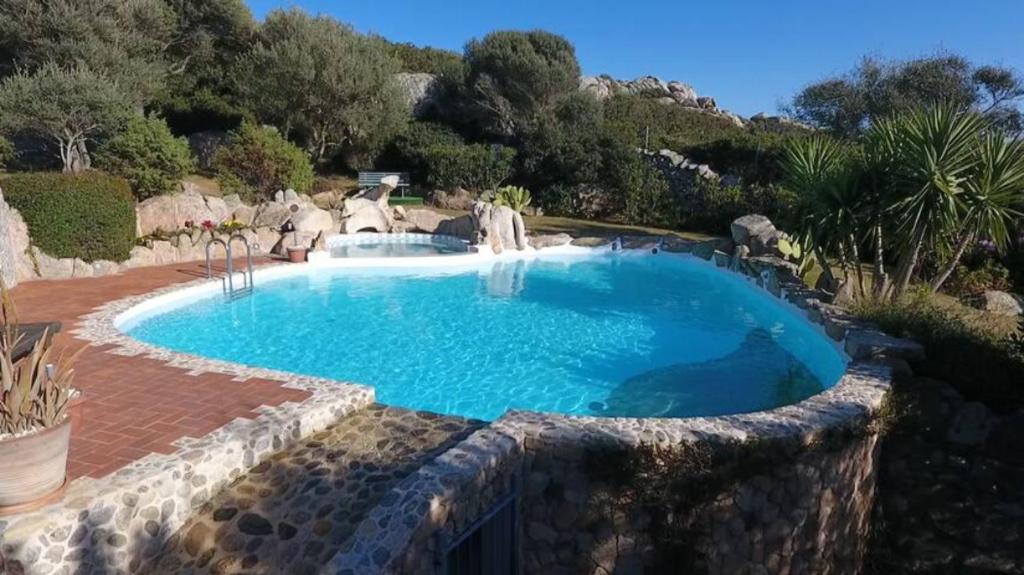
{"points": [[100, 522]]}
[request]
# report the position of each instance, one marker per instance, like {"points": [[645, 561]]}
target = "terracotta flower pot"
{"points": [[34, 466], [297, 255]]}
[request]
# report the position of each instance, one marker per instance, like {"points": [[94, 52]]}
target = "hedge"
{"points": [[89, 216]]}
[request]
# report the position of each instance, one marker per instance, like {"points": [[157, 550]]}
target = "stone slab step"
{"points": [[293, 511]]}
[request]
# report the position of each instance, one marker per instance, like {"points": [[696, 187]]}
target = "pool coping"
{"points": [[226, 452]]}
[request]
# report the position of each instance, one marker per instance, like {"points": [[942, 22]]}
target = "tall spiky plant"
{"points": [[819, 171], [928, 155], [35, 391], [992, 193]]}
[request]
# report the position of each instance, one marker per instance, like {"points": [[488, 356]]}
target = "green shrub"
{"points": [[89, 216], [407, 151], [710, 206], [968, 281], [643, 190], [974, 360], [147, 155], [472, 166], [6, 152], [258, 161]]}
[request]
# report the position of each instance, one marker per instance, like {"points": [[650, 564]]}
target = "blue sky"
{"points": [[750, 55]]}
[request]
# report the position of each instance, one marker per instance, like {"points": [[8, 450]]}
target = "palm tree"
{"points": [[991, 193], [928, 155]]}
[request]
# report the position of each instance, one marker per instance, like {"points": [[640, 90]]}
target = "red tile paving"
{"points": [[135, 406]]}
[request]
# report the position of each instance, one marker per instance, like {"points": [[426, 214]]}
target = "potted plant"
{"points": [[296, 253], [35, 426]]}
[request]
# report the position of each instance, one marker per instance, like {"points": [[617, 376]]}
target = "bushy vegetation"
{"points": [[68, 107], [148, 156], [923, 186], [847, 105], [427, 60], [7, 152], [982, 365], [258, 162], [322, 85], [470, 166], [89, 216]]}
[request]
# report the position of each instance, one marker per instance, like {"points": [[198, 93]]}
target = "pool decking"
{"points": [[135, 405]]}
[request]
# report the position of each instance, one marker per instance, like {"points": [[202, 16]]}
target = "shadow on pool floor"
{"points": [[718, 386]]}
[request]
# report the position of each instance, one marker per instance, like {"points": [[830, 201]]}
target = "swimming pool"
{"points": [[372, 245], [632, 335]]}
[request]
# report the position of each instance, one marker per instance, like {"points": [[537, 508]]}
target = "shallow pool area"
{"points": [[373, 245], [608, 335]]}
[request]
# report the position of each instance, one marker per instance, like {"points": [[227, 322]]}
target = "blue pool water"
{"points": [[612, 335], [392, 249]]}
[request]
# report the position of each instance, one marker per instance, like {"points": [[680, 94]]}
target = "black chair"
{"points": [[30, 334]]}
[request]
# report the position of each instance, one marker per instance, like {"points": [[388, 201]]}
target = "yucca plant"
{"points": [[928, 155], [992, 192], [35, 391], [514, 197], [827, 208]]}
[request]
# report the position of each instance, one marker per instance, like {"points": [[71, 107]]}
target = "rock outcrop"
{"points": [[500, 227], [998, 302], [8, 273], [420, 91], [669, 93], [170, 212]]}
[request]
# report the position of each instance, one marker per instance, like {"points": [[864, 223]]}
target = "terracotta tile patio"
{"points": [[135, 406]]}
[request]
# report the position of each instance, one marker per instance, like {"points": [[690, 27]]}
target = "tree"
{"points": [[210, 36], [258, 162], [514, 74], [563, 144], [990, 198], [68, 106], [846, 105], [147, 155], [322, 84], [124, 40]]}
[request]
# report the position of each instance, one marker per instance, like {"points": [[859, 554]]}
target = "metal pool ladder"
{"points": [[228, 279]]}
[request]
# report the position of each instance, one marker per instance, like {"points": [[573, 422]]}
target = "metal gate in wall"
{"points": [[490, 546]]}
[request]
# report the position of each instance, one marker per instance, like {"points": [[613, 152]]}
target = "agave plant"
{"points": [[514, 197], [35, 391]]}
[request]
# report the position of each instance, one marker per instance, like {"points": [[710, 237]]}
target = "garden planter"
{"points": [[34, 467], [297, 255], [75, 411]]}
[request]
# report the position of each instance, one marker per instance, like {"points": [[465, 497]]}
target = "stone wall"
{"points": [[407, 533], [7, 259], [808, 514]]}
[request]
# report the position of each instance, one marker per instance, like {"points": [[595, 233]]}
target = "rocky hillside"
{"points": [[421, 90]]}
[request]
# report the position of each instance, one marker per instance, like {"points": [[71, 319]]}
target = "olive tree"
{"points": [[126, 40], [322, 84], [70, 107], [846, 105], [512, 75]]}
